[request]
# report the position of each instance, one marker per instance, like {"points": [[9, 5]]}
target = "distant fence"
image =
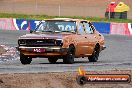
{"points": [[95, 8], [30, 24]]}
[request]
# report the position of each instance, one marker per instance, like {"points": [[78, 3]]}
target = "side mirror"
{"points": [[31, 31]]}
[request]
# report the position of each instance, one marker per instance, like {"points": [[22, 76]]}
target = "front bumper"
{"points": [[49, 51], [103, 47]]}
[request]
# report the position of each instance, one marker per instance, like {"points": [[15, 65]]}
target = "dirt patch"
{"points": [[54, 80], [2, 50], [8, 53]]}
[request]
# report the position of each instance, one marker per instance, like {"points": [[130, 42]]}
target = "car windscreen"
{"points": [[57, 25]]}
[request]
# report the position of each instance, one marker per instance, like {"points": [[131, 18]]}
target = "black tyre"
{"points": [[69, 58], [95, 55], [81, 80], [52, 60], [25, 59]]}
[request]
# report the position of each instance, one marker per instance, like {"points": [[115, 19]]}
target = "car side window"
{"points": [[88, 28], [81, 29]]}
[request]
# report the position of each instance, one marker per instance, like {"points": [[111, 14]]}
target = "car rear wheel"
{"points": [[69, 58], [95, 55], [25, 59]]}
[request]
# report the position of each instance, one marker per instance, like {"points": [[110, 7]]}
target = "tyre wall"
{"points": [[31, 24]]}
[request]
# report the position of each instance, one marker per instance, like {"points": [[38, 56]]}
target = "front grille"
{"points": [[40, 42]]}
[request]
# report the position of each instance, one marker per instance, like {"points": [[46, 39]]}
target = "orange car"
{"points": [[61, 38]]}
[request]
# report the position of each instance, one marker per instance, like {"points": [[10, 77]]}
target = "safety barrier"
{"points": [[102, 27], [30, 24], [120, 28]]}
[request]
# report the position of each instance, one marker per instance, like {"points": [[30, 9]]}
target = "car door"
{"points": [[81, 40], [90, 36]]}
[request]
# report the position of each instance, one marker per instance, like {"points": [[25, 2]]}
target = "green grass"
{"points": [[40, 17]]}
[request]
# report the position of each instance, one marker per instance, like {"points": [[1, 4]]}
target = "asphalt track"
{"points": [[117, 56]]}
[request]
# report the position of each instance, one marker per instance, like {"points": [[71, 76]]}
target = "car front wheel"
{"points": [[52, 60], [69, 58], [25, 59]]}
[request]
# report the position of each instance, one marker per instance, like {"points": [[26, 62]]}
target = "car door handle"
{"points": [[89, 43], [95, 37]]}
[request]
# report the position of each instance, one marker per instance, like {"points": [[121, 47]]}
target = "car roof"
{"points": [[66, 19]]}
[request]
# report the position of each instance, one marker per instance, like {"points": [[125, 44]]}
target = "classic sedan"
{"points": [[61, 38]]}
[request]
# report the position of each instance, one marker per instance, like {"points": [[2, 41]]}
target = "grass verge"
{"points": [[40, 17]]}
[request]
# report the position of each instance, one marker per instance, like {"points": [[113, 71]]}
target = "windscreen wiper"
{"points": [[47, 31], [69, 31], [51, 31]]}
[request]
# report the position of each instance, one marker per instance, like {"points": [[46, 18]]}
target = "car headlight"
{"points": [[59, 42], [21, 42]]}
